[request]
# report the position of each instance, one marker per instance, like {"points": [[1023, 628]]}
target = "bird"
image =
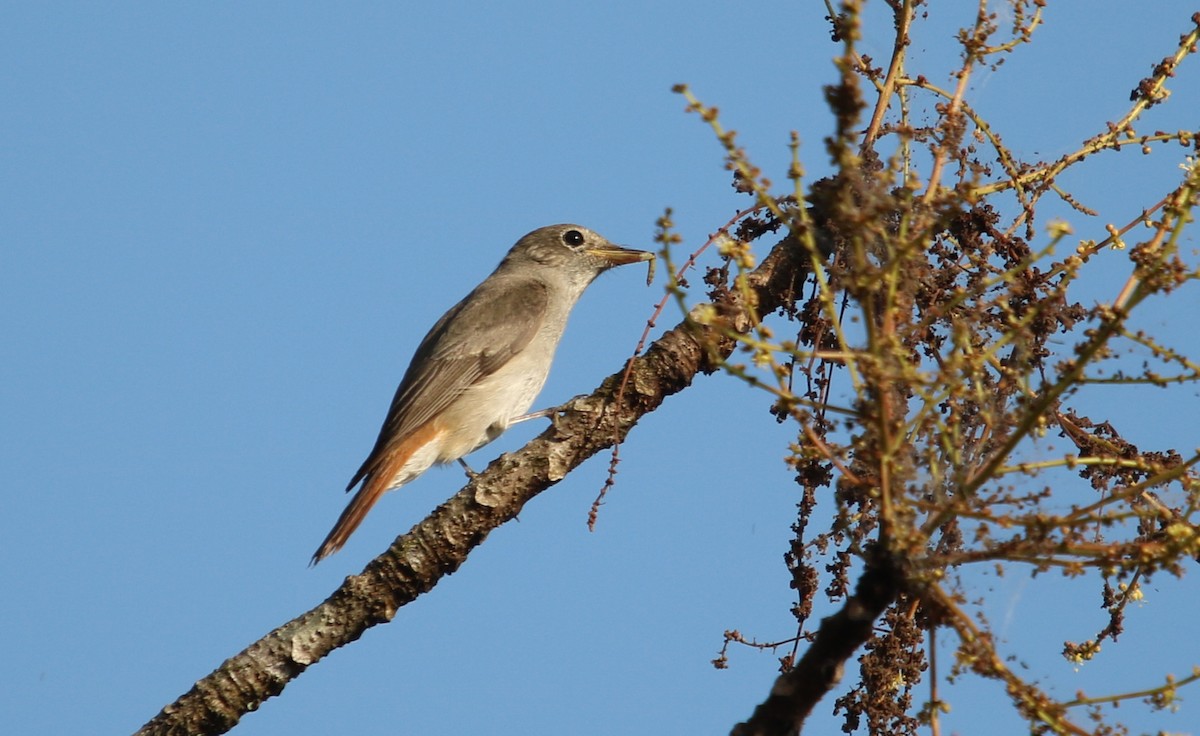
{"points": [[481, 365]]}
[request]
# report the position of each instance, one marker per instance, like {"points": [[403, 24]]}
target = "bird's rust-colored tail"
{"points": [[355, 512], [378, 479]]}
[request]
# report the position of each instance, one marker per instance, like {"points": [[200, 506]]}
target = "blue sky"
{"points": [[225, 228]]}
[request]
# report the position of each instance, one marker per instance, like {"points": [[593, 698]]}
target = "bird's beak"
{"points": [[615, 255]]}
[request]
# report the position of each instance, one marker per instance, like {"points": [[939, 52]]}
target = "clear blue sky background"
{"points": [[224, 228]]}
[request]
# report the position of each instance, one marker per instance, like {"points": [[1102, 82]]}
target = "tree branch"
{"points": [[798, 690], [439, 544]]}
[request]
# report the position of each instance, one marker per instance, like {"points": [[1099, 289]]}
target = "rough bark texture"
{"points": [[439, 544], [798, 690]]}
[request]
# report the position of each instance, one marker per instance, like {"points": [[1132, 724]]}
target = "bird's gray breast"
{"points": [[516, 369]]}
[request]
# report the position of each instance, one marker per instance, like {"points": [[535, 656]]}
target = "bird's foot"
{"points": [[470, 473]]}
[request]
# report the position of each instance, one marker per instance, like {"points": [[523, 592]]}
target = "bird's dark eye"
{"points": [[573, 237]]}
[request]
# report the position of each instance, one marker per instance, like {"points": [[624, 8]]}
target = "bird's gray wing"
{"points": [[477, 337]]}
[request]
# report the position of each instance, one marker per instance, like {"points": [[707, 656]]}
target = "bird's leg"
{"points": [[551, 413], [470, 473], [535, 415]]}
